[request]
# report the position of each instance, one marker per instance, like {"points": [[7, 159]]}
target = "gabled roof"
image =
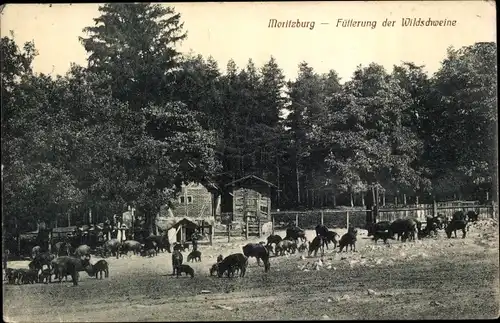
{"points": [[176, 222], [251, 177], [209, 182], [185, 221]]}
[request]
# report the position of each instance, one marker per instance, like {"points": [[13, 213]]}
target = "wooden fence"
{"points": [[357, 217], [342, 218], [310, 219], [420, 212]]}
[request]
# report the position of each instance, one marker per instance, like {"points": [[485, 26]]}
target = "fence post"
{"points": [[347, 220], [211, 234], [228, 231], [322, 220], [434, 208], [246, 231], [272, 223], [296, 219]]}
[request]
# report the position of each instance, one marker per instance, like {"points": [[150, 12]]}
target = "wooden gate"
{"points": [[253, 226], [250, 207]]}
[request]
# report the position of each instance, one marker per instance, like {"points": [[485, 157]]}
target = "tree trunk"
{"points": [[352, 200], [18, 239], [186, 202], [374, 197], [369, 203], [363, 199], [279, 187], [334, 200], [152, 226], [297, 181], [396, 200], [404, 199], [150, 217], [242, 164]]}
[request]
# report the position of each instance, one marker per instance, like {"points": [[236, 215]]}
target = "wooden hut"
{"points": [[183, 229], [197, 200], [199, 203], [251, 199]]}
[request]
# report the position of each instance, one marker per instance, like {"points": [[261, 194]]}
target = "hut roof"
{"points": [[186, 222], [209, 184], [248, 177], [175, 222]]}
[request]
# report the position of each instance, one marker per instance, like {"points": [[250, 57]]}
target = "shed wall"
{"points": [[195, 201], [251, 202]]}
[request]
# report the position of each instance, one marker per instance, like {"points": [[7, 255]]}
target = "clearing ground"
{"points": [[427, 279]]}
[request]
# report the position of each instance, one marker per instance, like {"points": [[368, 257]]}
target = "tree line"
{"points": [[141, 118]]}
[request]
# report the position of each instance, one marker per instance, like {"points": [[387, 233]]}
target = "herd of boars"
{"points": [[404, 229], [60, 267], [409, 228], [295, 240], [64, 263]]}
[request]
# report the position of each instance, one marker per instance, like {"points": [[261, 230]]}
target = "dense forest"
{"points": [[141, 118]]}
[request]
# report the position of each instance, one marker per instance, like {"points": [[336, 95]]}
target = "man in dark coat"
{"points": [[194, 239]]}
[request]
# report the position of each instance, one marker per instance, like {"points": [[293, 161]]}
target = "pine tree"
{"points": [[134, 44]]}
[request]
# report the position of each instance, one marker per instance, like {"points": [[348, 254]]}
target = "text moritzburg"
{"points": [[274, 23]]}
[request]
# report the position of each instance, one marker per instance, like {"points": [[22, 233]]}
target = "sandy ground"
{"points": [[429, 279]]}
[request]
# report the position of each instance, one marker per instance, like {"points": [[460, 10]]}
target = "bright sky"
{"points": [[240, 31]]}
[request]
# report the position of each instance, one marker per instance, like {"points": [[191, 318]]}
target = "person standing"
{"points": [[106, 230], [194, 239]]}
